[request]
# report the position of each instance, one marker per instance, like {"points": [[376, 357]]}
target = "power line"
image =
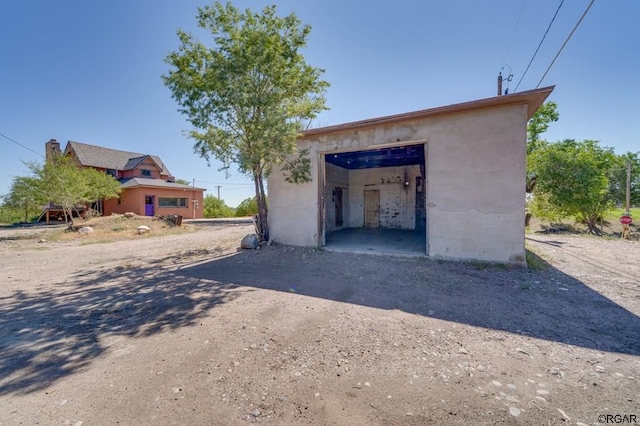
{"points": [[233, 189], [513, 35], [540, 44], [224, 183], [566, 41], [21, 145]]}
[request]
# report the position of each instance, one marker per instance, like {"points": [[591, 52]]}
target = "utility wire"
{"points": [[540, 44], [224, 183], [513, 35], [21, 145], [566, 41]]}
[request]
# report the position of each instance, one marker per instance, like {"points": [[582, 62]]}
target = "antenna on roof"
{"points": [[501, 80]]}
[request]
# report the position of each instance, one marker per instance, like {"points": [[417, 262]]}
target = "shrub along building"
{"points": [[148, 189], [446, 182]]}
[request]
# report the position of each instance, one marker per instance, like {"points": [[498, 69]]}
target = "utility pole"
{"points": [[218, 186], [628, 199], [194, 182]]}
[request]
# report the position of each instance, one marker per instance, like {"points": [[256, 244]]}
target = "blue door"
{"points": [[148, 205]]}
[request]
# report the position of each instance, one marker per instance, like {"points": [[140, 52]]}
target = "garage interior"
{"points": [[375, 200]]}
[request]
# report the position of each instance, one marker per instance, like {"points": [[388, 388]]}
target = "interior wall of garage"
{"points": [[336, 177], [397, 200]]}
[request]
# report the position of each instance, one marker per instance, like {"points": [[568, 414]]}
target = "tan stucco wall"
{"points": [[476, 186], [475, 180]]}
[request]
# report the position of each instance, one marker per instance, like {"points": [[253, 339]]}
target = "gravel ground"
{"points": [[187, 329]]}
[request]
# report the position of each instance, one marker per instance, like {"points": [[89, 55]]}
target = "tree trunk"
{"points": [[68, 216], [531, 184], [592, 224], [262, 224], [527, 219]]}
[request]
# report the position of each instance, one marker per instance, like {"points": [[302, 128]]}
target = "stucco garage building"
{"points": [[447, 182]]}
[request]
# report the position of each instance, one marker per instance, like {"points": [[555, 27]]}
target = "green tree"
{"points": [[215, 207], [248, 207], [573, 177], [537, 125], [618, 179], [183, 182], [62, 182], [24, 200], [247, 96]]}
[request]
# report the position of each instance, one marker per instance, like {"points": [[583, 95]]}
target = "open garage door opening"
{"points": [[375, 200]]}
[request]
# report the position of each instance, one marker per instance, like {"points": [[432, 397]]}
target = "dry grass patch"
{"points": [[609, 225], [118, 227]]}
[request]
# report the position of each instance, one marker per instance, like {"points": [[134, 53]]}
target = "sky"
{"points": [[90, 71]]}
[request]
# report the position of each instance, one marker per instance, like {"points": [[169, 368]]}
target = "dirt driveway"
{"points": [[185, 329]]}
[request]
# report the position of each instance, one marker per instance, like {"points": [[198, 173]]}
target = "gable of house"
{"points": [[116, 162], [143, 167]]}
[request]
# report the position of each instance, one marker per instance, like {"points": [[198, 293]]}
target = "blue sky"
{"points": [[90, 71]]}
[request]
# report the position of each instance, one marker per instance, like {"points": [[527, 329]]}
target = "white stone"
{"points": [[250, 241], [85, 230]]}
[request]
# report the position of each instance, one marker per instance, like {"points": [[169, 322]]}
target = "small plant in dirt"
{"points": [[535, 262]]}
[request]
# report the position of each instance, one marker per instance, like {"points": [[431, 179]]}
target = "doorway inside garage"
{"points": [[375, 200]]}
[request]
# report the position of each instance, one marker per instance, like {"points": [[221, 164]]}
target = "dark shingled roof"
{"points": [[106, 158]]}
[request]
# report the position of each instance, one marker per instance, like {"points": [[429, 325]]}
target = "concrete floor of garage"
{"points": [[378, 240]]}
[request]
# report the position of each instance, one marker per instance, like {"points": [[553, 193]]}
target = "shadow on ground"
{"points": [[54, 333], [543, 303]]}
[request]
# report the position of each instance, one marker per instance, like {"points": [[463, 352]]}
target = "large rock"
{"points": [[143, 229], [85, 230], [250, 241], [130, 214]]}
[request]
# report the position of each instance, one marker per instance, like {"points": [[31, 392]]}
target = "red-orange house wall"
{"points": [[133, 200]]}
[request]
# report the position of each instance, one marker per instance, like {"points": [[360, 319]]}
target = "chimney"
{"points": [[52, 148]]}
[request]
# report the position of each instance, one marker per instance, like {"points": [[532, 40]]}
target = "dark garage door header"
{"points": [[383, 157]]}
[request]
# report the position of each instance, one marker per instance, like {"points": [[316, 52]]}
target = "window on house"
{"points": [[146, 173], [111, 172], [172, 202]]}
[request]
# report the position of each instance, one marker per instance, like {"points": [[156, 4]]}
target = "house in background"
{"points": [[446, 182], [148, 189]]}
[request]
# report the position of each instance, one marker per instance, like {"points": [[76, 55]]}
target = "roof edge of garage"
{"points": [[532, 98]]}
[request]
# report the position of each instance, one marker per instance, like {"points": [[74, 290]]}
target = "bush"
{"points": [[247, 207], [215, 207]]}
